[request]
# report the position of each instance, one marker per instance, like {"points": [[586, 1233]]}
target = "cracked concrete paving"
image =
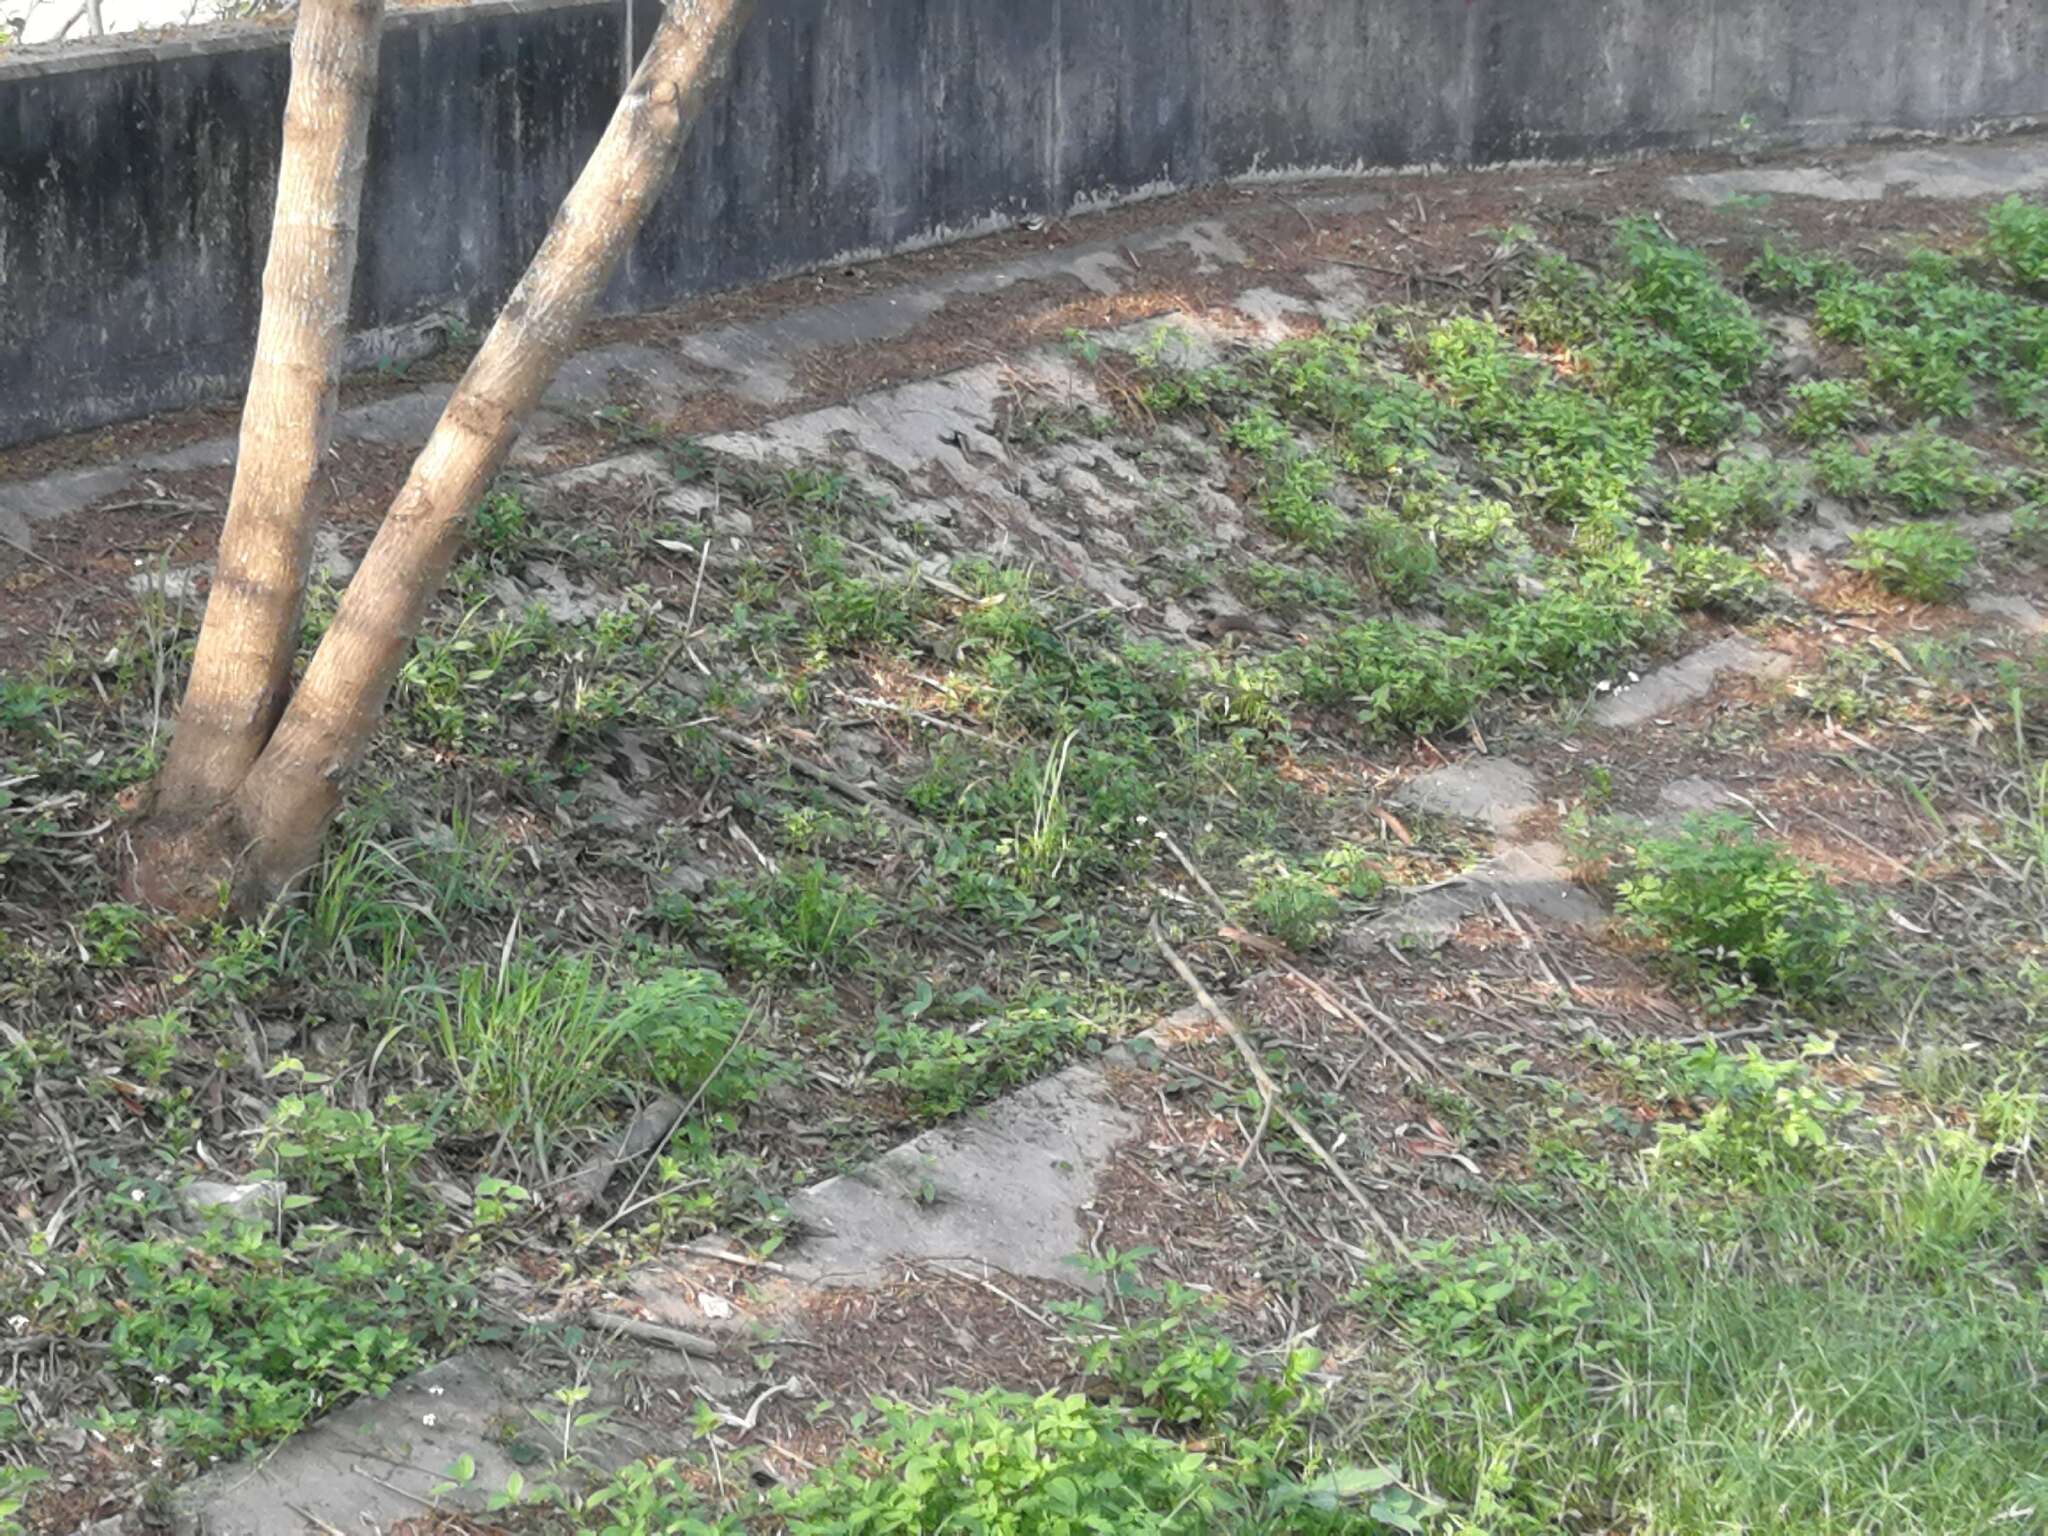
{"points": [[2014, 609], [757, 360], [1004, 1187]]}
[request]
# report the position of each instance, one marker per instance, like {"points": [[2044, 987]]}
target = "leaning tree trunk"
{"points": [[241, 673], [270, 830]]}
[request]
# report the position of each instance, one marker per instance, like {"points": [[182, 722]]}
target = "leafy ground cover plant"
{"points": [[1924, 561], [1735, 907]]}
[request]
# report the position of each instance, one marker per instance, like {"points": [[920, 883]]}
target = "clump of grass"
{"points": [[1797, 1299], [1738, 909], [1926, 562], [1466, 529], [1578, 630], [1184, 1434], [1296, 908], [540, 1047], [2030, 531]]}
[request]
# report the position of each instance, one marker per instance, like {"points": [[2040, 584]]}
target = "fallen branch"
{"points": [[627, 1205], [823, 775], [654, 1333], [642, 1134], [745, 1423], [1270, 1090], [1409, 1067]]}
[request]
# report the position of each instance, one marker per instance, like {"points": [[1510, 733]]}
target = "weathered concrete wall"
{"points": [[135, 181]]}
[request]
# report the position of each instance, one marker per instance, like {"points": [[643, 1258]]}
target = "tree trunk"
{"points": [[271, 828], [241, 674]]}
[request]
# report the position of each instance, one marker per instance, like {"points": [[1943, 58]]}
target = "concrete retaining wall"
{"points": [[135, 181]]}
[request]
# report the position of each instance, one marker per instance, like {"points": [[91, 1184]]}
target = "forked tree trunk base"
{"points": [[247, 793], [196, 865]]}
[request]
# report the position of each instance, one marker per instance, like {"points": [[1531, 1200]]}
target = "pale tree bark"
{"points": [[269, 830], [241, 672]]}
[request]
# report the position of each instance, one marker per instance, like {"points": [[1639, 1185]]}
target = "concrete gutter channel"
{"points": [[1002, 1190]]}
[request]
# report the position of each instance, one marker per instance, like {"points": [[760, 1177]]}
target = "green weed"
{"points": [[228, 1340], [501, 529], [1922, 471], [1667, 341], [947, 1054], [1299, 904], [801, 917], [1289, 590], [111, 933], [1294, 499], [1841, 471], [1927, 473], [1929, 335], [1740, 495], [1826, 408], [1401, 560], [1926, 562], [1706, 578], [2016, 235], [1731, 905], [1396, 678], [1754, 1124], [342, 1160], [847, 610]]}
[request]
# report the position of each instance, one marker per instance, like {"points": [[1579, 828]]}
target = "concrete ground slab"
{"points": [[1003, 1186], [1494, 790], [1949, 171], [381, 1460], [2011, 607], [1685, 681]]}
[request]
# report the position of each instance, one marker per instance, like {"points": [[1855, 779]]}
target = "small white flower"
{"points": [[136, 1194], [160, 1380], [18, 1323], [427, 1419], [435, 1391]]}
